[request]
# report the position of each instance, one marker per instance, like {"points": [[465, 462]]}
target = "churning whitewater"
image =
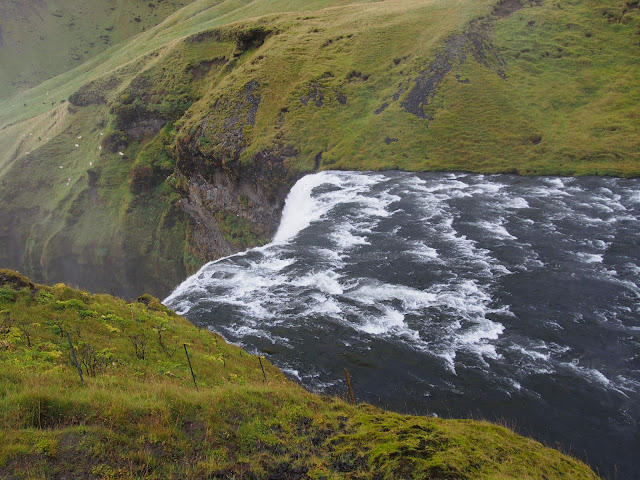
{"points": [[498, 297]]}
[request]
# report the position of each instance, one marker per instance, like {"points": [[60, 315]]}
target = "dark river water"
{"points": [[493, 297]]}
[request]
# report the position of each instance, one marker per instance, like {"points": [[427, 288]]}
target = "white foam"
{"points": [[634, 197], [590, 374], [589, 257], [324, 305], [546, 192], [327, 282], [423, 252], [275, 264], [378, 206], [301, 209], [514, 384], [376, 293], [517, 203], [333, 256], [475, 338], [245, 330], [628, 384], [391, 320], [554, 182], [181, 306], [292, 373], [532, 354], [304, 205], [496, 228], [484, 188]]}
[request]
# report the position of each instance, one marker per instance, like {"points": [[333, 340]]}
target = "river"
{"points": [[512, 299]]}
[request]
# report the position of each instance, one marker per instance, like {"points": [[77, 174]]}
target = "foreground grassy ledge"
{"points": [[140, 415]]}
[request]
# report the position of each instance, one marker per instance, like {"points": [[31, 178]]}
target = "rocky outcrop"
{"points": [[231, 208], [232, 204], [93, 93], [14, 280], [145, 127]]}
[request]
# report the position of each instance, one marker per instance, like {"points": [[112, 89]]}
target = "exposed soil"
{"points": [[145, 128], [93, 92], [381, 108], [357, 75], [315, 95], [15, 280], [505, 8], [203, 68], [476, 41]]}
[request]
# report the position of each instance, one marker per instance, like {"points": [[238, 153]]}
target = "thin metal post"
{"points": [[193, 375], [263, 374], [346, 374], [75, 359]]}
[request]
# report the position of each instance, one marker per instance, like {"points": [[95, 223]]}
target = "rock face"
{"points": [[231, 204], [234, 207]]}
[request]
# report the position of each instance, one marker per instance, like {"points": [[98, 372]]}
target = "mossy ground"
{"points": [[140, 416]]}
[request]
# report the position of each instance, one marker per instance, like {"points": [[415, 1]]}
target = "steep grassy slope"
{"points": [[43, 38], [140, 415], [178, 146]]}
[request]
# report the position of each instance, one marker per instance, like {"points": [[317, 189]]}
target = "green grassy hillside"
{"points": [[139, 414], [43, 38], [178, 145]]}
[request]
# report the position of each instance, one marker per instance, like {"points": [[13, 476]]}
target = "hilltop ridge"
{"points": [[41, 39]]}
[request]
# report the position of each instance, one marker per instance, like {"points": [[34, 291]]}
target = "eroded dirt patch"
{"points": [[475, 42]]}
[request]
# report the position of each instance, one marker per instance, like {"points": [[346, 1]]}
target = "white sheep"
{"points": [[121, 154]]}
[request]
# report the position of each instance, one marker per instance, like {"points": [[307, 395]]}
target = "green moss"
{"points": [[239, 231]]}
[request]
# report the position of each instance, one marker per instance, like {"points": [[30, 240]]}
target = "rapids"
{"points": [[497, 297]]}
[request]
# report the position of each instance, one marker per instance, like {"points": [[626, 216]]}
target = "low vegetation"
{"points": [[39, 40], [139, 413]]}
